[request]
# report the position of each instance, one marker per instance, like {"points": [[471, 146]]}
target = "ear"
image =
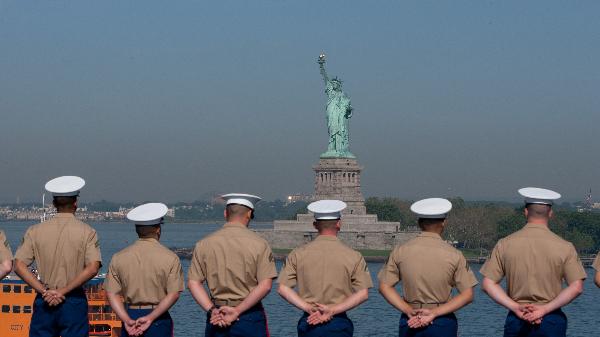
{"points": [[526, 212], [75, 203], [338, 225], [225, 213], [551, 214], [315, 225]]}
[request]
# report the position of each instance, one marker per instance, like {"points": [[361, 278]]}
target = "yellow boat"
{"points": [[16, 307]]}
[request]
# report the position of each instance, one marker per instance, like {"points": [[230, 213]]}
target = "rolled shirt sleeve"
{"points": [[463, 276], [390, 273], [112, 283], [265, 269], [5, 252], [92, 249], [493, 268], [288, 275], [361, 278], [25, 252], [573, 269], [175, 278], [197, 270]]}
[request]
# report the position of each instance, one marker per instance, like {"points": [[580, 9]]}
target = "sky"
{"points": [[176, 100]]}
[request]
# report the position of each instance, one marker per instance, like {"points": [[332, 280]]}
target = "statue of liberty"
{"points": [[339, 111]]}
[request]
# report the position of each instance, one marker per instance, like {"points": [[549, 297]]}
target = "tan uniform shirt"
{"points": [[596, 263], [325, 271], [5, 252], [535, 261], [61, 248], [429, 268], [232, 260], [144, 273]]}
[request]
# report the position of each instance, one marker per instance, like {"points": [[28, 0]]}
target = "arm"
{"points": [[568, 294], [23, 272], [392, 297], [230, 314], [325, 313], [597, 279], [292, 297], [85, 275], [426, 316], [200, 295], [143, 323], [323, 71], [497, 293], [5, 268]]}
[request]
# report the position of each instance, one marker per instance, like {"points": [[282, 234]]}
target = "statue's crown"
{"points": [[335, 79]]}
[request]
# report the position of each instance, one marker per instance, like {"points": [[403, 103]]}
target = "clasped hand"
{"points": [[531, 313], [224, 316], [53, 297], [319, 313], [419, 318], [138, 327]]}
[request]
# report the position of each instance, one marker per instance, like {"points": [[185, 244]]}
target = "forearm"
{"points": [[118, 307], [293, 298], [351, 301], [164, 305], [455, 303], [256, 295], [200, 295], [392, 297], [5, 268], [497, 293], [86, 274], [22, 270], [565, 297]]}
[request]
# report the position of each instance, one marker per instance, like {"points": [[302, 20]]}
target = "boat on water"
{"points": [[16, 308]]}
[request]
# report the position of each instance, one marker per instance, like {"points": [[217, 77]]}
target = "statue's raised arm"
{"points": [[321, 63]]}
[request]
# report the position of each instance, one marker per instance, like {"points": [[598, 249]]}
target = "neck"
{"points": [[155, 237], [538, 221], [68, 211], [239, 221], [329, 232], [436, 230]]}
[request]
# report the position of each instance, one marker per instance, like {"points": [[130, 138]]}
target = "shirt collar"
{"points": [[430, 235], [536, 225], [64, 215], [326, 238], [234, 225], [149, 240]]}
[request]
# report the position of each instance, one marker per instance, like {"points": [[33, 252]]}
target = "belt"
{"points": [[416, 305], [228, 303], [141, 306]]}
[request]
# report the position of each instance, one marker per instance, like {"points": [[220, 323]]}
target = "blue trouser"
{"points": [[161, 327], [442, 326], [68, 319], [339, 326], [251, 323], [553, 324]]}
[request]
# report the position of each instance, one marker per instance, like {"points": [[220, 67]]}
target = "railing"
{"points": [[102, 317]]}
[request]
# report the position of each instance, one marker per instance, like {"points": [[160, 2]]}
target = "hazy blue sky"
{"points": [[169, 100]]}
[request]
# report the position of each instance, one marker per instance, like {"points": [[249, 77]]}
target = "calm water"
{"points": [[373, 318]]}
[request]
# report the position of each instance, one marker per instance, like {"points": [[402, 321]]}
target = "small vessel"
{"points": [[16, 307]]}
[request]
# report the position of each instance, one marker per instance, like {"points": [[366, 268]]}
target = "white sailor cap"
{"points": [[148, 214], [432, 208], [65, 186], [534, 195], [327, 209], [247, 200]]}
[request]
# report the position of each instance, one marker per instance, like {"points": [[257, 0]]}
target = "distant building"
{"points": [[297, 197]]}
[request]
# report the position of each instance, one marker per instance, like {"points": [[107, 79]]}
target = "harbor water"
{"points": [[374, 318]]}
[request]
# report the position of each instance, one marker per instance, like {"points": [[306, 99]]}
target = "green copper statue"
{"points": [[339, 111]]}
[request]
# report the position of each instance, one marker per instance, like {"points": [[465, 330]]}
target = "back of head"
{"points": [[145, 232], [236, 212], [65, 203], [326, 225], [431, 224], [539, 212]]}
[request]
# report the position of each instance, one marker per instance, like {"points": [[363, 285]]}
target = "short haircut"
{"points": [[146, 231], [430, 222], [539, 210], [325, 224], [234, 210], [64, 202]]}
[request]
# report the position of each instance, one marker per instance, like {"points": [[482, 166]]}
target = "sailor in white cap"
{"points": [[67, 254], [429, 268], [535, 262], [147, 275], [238, 268], [330, 277]]}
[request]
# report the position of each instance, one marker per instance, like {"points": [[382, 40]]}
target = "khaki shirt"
{"points": [[535, 261], [232, 261], [5, 252], [61, 248], [325, 271], [429, 268], [596, 263], [144, 273]]}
